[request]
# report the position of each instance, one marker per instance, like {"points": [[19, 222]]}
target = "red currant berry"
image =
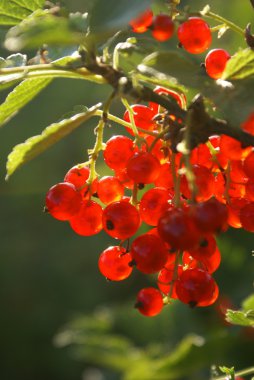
{"points": [[166, 282], [177, 228], [248, 165], [248, 125], [247, 217], [162, 27], [109, 189], [120, 220], [143, 168], [180, 98], [63, 201], [210, 216], [165, 177], [143, 118], [195, 286], [89, 219], [78, 175], [141, 23], [232, 148], [149, 253], [234, 208], [194, 35], [117, 152], [123, 177], [204, 181], [114, 263], [153, 203], [215, 62], [149, 302], [209, 263]]}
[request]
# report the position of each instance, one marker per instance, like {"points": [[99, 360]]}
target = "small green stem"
{"points": [[244, 372], [51, 70], [167, 299], [224, 21], [131, 114], [93, 153], [134, 197]]}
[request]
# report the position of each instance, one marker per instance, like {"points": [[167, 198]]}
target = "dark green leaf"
{"points": [[35, 145], [14, 11], [42, 27], [172, 65], [240, 66]]}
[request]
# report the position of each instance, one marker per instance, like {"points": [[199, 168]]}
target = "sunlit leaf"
{"points": [[14, 11], [35, 145], [240, 66]]}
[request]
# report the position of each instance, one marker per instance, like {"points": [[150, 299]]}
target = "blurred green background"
{"points": [[49, 275]]}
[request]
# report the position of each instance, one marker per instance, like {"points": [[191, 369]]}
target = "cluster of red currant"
{"points": [[194, 36], [189, 199]]}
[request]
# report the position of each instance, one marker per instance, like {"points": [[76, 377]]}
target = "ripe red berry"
{"points": [[209, 263], [153, 203], [117, 152], [149, 253], [78, 175], [120, 220], [248, 165], [215, 62], [63, 201], [143, 118], [143, 167], [149, 302], [247, 217], [210, 216], [195, 286], [162, 27], [194, 35], [177, 228], [165, 280], [114, 263], [180, 98], [248, 124], [204, 180], [109, 189], [232, 148], [141, 23], [88, 221]]}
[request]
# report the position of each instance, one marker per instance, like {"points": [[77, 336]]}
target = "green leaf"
{"points": [[109, 16], [20, 96], [248, 303], [42, 27], [14, 11], [35, 145], [172, 65], [240, 318], [240, 66]]}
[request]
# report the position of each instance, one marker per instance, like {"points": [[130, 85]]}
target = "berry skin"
{"points": [[204, 182], [120, 220], [165, 280], [162, 27], [247, 217], [210, 216], [78, 175], [177, 228], [63, 201], [195, 287], [114, 263], [143, 167], [109, 189], [149, 302], [143, 118], [141, 23], [149, 253], [153, 203], [248, 165], [89, 219], [194, 35], [117, 152], [215, 62]]}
